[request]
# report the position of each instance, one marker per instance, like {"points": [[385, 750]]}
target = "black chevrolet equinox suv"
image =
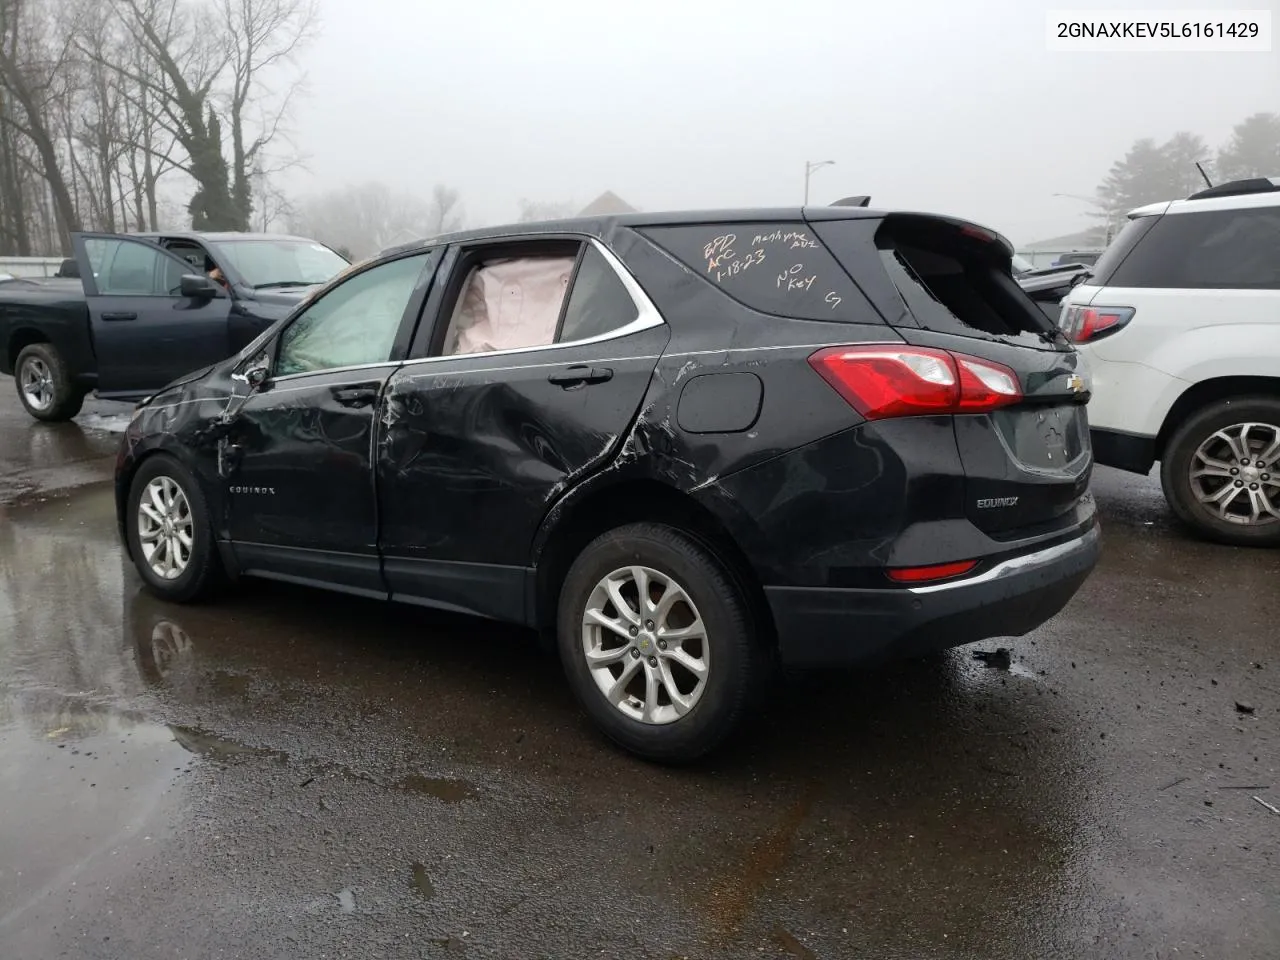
{"points": [[686, 446]]}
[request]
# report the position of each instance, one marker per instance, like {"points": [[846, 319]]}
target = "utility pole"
{"points": [[809, 167]]}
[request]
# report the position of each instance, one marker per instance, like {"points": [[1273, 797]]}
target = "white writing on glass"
{"points": [[832, 298], [719, 251], [738, 266], [794, 239], [790, 279]]}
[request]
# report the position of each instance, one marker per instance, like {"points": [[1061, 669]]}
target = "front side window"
{"points": [[132, 268], [354, 323]]}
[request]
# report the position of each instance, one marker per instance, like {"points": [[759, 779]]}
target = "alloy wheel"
{"points": [[165, 528], [36, 383], [1235, 474], [645, 645]]}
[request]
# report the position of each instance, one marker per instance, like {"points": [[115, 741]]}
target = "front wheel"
{"points": [[1221, 471], [169, 533], [43, 385], [658, 642]]}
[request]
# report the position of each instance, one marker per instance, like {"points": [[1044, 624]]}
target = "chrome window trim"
{"points": [[284, 378], [647, 317]]}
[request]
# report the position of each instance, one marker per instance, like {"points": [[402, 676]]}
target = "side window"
{"points": [[508, 303], [598, 302], [777, 268], [1217, 249], [355, 322], [131, 268]]}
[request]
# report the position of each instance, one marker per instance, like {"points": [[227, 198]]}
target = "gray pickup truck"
{"points": [[134, 312]]}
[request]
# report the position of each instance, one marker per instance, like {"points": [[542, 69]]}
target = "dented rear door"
{"points": [[475, 448]]}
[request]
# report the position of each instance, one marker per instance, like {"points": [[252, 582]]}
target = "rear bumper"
{"points": [[1124, 451], [824, 626]]}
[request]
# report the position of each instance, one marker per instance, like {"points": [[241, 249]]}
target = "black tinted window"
{"points": [[598, 302], [778, 268], [1231, 249], [1120, 248]]}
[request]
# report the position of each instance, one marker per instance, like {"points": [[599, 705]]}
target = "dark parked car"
{"points": [[1048, 285], [685, 446], [131, 313]]}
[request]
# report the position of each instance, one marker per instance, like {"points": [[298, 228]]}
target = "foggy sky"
{"points": [[950, 107]]}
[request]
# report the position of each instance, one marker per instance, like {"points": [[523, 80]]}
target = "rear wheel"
{"points": [[169, 533], [1221, 471], [43, 385], [658, 642]]}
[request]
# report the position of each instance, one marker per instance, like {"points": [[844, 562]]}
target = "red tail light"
{"points": [[939, 571], [904, 381], [1085, 324]]}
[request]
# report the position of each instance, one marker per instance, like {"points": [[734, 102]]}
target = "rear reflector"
{"points": [[939, 571], [891, 381], [1086, 324]]}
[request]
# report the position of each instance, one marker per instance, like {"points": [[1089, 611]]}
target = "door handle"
{"points": [[580, 374], [361, 396], [119, 316]]}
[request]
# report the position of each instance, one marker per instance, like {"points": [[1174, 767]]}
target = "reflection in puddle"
{"points": [[206, 744], [422, 882], [450, 791]]}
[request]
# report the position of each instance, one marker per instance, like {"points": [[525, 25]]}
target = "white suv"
{"points": [[1180, 326]]}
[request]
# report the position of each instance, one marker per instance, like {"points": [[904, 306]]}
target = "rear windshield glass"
{"points": [[953, 284], [1214, 249], [777, 268], [1120, 248]]}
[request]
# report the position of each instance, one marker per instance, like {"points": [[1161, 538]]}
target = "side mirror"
{"points": [[197, 287], [256, 376]]}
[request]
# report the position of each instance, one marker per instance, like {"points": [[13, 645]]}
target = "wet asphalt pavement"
{"points": [[288, 773]]}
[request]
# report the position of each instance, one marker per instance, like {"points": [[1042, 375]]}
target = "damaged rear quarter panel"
{"points": [[711, 334]]}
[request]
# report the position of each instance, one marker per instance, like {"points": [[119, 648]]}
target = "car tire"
{"points": [[171, 569], [644, 716], [1214, 433], [45, 389]]}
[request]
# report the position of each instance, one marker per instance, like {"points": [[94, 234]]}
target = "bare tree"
{"points": [[34, 64], [261, 36], [371, 217], [445, 214], [531, 210]]}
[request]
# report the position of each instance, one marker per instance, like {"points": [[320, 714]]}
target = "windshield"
{"points": [[279, 262], [1021, 265]]}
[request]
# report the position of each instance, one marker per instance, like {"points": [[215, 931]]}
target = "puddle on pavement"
{"points": [[206, 744], [442, 788], [422, 882]]}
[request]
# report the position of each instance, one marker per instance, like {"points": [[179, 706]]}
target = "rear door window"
{"points": [[598, 303], [776, 268], [1213, 249]]}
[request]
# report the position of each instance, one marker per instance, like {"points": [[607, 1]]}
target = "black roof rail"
{"points": [[1237, 188], [852, 202]]}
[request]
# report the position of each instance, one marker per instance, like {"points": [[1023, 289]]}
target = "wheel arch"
{"points": [[1206, 392], [19, 340], [128, 467], [570, 527]]}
